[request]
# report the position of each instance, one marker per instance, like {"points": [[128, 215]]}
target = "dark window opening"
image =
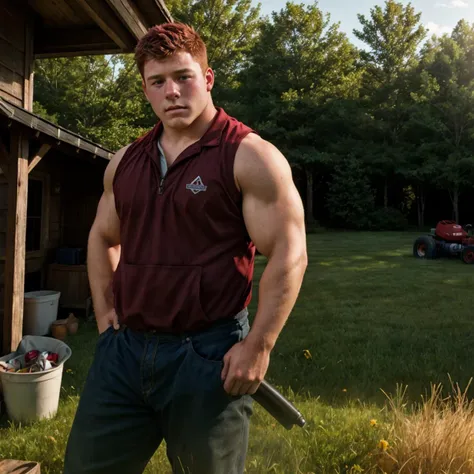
{"points": [[33, 281], [34, 215]]}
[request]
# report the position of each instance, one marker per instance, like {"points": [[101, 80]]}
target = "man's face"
{"points": [[177, 89]]}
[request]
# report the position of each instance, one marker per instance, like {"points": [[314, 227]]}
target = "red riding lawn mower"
{"points": [[448, 239]]}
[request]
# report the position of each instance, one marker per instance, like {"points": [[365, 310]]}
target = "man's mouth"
{"points": [[175, 107]]}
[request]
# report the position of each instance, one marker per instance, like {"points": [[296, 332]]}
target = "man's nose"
{"points": [[171, 90]]}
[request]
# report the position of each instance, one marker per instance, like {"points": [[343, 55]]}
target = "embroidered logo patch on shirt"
{"points": [[196, 186]]}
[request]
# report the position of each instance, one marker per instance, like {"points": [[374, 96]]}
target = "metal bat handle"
{"points": [[278, 406]]}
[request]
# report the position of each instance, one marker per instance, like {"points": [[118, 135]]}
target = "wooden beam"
{"points": [[29, 65], [153, 12], [16, 241], [101, 13], [54, 42], [164, 11], [45, 147], [130, 16]]}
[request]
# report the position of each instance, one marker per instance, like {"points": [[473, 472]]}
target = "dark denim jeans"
{"points": [[146, 387]]}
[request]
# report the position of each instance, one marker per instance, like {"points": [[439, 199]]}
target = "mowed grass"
{"points": [[371, 316]]}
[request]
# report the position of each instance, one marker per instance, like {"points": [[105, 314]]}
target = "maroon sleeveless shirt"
{"points": [[186, 258]]}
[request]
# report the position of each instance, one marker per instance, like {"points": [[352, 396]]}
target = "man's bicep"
{"points": [[106, 222], [272, 207], [271, 225]]}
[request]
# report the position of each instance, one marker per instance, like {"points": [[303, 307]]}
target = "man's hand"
{"points": [[109, 319], [244, 368]]}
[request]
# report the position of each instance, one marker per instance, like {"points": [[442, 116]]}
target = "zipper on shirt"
{"points": [[162, 185], [177, 162]]}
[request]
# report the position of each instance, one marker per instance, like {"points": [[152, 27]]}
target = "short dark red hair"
{"points": [[162, 41]]}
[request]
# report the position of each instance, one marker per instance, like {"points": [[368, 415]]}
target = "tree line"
{"points": [[378, 137]]}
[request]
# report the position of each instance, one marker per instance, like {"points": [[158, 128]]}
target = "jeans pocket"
{"points": [[104, 334], [212, 345], [204, 355]]}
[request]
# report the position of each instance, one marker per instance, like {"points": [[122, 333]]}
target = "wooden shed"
{"points": [[50, 177]]}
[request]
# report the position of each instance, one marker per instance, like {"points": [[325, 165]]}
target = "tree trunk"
{"points": [[456, 204], [385, 194], [423, 201], [420, 207], [454, 195], [309, 196], [420, 202]]}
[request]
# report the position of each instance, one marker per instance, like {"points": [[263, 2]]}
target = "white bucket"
{"points": [[40, 311], [31, 397]]}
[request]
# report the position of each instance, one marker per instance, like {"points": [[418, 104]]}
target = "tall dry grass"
{"points": [[435, 436]]}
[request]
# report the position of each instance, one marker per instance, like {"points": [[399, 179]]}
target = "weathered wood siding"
{"points": [[3, 214], [16, 53], [73, 190], [3, 235]]}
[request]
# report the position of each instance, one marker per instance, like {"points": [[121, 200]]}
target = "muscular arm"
{"points": [[103, 251], [274, 218]]}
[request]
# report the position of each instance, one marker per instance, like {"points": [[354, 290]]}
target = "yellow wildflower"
{"points": [[307, 354], [356, 468], [383, 445], [373, 422], [344, 389], [52, 439]]}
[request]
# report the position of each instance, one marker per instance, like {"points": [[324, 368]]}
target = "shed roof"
{"points": [[79, 27], [56, 132]]}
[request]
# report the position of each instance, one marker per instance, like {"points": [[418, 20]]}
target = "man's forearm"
{"points": [[101, 262], [278, 290]]}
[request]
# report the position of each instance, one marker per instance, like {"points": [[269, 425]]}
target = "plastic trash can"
{"points": [[31, 397], [40, 311]]}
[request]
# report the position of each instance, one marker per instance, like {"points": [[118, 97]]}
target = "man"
{"points": [[186, 205]]}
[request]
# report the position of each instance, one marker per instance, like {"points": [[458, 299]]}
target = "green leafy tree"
{"points": [[229, 28], [447, 90], [96, 96], [301, 71], [350, 199], [421, 166], [392, 35]]}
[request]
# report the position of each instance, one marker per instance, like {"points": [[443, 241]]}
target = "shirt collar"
{"points": [[213, 135]]}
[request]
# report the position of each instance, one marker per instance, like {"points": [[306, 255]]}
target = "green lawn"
{"points": [[371, 316]]}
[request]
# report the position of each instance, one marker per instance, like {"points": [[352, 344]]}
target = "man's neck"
{"points": [[194, 132]]}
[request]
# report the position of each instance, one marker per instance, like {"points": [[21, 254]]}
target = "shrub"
{"points": [[350, 198], [388, 219]]}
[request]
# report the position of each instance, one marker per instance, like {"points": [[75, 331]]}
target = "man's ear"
{"points": [[209, 76], [144, 89]]}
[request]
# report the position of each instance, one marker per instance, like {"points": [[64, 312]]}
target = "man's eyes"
{"points": [[160, 82]]}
